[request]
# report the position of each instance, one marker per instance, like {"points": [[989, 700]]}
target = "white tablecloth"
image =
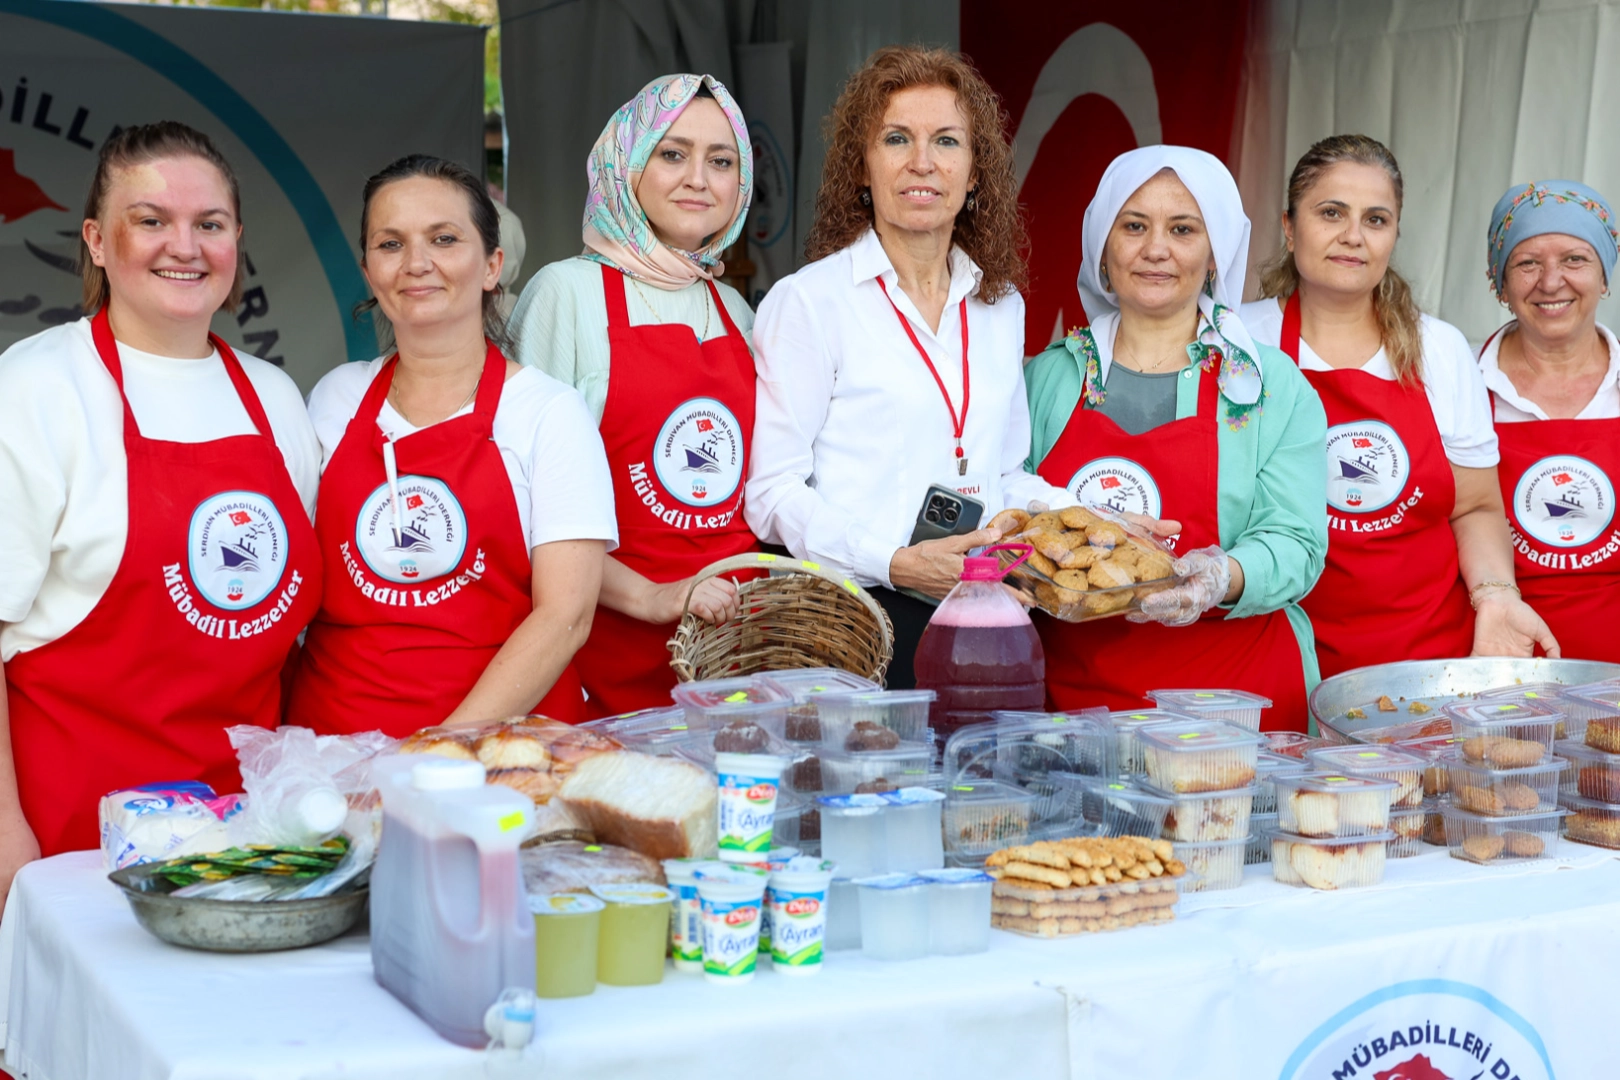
{"points": [[1231, 989]]}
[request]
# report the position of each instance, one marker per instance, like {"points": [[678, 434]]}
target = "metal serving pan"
{"points": [[237, 926], [1435, 683]]}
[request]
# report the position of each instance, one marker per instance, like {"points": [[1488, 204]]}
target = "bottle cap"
{"points": [[981, 568]]}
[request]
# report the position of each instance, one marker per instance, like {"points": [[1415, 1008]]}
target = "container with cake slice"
{"points": [[1434, 749], [1327, 805], [1406, 822], [1209, 815], [1198, 755], [1233, 706], [1128, 748], [1504, 792], [1484, 839], [1217, 864], [1398, 766], [1592, 773], [1591, 821], [1328, 862], [1268, 765]]}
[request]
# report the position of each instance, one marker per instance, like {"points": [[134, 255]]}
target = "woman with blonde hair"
{"points": [[1417, 533]]}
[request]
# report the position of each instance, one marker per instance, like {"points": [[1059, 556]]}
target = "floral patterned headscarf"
{"points": [[1550, 206], [616, 228]]}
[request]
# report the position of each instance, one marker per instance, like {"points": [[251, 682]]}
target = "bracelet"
{"points": [[1473, 594]]}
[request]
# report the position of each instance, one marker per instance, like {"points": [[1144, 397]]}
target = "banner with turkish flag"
{"points": [[1083, 83]]}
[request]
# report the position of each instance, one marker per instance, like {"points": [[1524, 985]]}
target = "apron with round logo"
{"points": [[422, 591], [1392, 588], [1172, 471], [676, 426], [1557, 487], [219, 574]]}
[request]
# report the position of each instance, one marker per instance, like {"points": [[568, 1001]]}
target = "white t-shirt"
{"points": [[547, 439], [1513, 407], [64, 481], [1462, 408]]}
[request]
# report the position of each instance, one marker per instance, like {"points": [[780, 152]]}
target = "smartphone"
{"points": [[946, 513]]}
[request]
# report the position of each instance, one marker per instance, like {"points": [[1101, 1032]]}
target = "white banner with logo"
{"points": [[304, 107]]}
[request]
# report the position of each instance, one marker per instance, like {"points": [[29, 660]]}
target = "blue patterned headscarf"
{"points": [[616, 228], [1549, 206]]}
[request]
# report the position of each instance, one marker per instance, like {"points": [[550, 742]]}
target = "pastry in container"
{"points": [[1216, 864], [1116, 807], [1504, 734], [1504, 792], [1402, 768], [1261, 826], [1321, 805], [1482, 839], [1127, 747], [1592, 773], [1198, 755], [984, 815], [1328, 862], [1553, 695], [844, 717], [1406, 822], [1591, 821], [711, 704], [805, 686], [1267, 765], [1234, 706], [1596, 707], [1434, 750], [1434, 822], [846, 772], [1212, 815]]}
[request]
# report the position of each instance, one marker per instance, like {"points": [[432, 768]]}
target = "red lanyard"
{"points": [[958, 423]]}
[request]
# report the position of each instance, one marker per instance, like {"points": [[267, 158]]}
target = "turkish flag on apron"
{"points": [[1392, 589], [220, 572], [421, 595], [1557, 487], [676, 426], [1173, 472]]}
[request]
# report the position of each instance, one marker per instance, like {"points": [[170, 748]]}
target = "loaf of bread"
{"points": [[662, 807]]}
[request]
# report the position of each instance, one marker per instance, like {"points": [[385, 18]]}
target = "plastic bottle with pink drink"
{"points": [[980, 652]]}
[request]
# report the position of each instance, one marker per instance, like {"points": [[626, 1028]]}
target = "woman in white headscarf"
{"points": [[1165, 406]]}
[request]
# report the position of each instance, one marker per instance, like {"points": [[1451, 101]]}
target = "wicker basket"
{"points": [[797, 616]]}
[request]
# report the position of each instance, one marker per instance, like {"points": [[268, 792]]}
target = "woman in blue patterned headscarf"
{"points": [[1554, 376]]}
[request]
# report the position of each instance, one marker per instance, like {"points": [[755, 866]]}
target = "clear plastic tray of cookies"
{"points": [[805, 687], [1116, 807], [1217, 864], [1592, 773], [1502, 733], [1234, 706], [1328, 863], [1504, 792], [1210, 815], [1085, 564], [1401, 767], [1483, 839], [1198, 755], [1326, 805], [1591, 821], [1126, 723], [865, 719]]}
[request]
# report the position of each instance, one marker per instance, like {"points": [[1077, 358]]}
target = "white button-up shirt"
{"points": [[850, 428], [1513, 407]]}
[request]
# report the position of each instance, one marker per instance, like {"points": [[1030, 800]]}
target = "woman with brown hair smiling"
{"points": [[895, 360]]}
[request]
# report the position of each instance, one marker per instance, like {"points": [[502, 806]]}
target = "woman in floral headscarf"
{"points": [[659, 350], [1165, 406], [1554, 377]]}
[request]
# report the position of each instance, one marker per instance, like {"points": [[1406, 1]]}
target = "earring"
{"points": [[972, 203], [1102, 272], [866, 197], [1209, 283]]}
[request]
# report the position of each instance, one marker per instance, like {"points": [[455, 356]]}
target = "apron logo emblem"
{"points": [[1368, 466], [236, 548], [1117, 483], [1564, 501], [699, 453], [425, 540]]}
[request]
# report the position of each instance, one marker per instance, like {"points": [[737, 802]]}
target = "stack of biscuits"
{"points": [[1086, 566], [1057, 888]]}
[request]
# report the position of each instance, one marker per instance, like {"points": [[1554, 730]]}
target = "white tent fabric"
{"points": [[1471, 95]]}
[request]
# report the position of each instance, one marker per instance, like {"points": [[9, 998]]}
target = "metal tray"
{"points": [[1435, 683], [237, 926]]}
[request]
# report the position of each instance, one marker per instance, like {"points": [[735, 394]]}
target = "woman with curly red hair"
{"points": [[894, 361]]}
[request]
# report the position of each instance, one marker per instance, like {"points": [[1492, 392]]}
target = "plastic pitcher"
{"points": [[980, 652], [450, 924]]}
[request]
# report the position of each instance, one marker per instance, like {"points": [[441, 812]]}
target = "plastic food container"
{"points": [[1402, 768], [1598, 701], [894, 916], [1126, 723], [732, 898], [1406, 822], [1499, 732], [1215, 864], [1592, 773], [747, 803], [1259, 850], [566, 933], [1118, 807], [798, 903], [1214, 815], [1034, 752], [798, 824], [1504, 792], [984, 815], [958, 911], [634, 933], [1324, 805], [686, 916], [1434, 750], [1434, 823], [1290, 744], [1234, 706], [1085, 909], [711, 704], [1204, 755], [1482, 839], [845, 772], [659, 732], [1591, 821], [1328, 863], [1266, 766], [1553, 695], [805, 686], [904, 712]]}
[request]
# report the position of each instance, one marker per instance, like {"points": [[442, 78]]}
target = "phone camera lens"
{"points": [[950, 515], [932, 516]]}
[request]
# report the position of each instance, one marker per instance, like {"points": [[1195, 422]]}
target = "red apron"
{"points": [[1171, 471], [1392, 589], [1556, 486], [419, 596], [677, 425], [219, 574]]}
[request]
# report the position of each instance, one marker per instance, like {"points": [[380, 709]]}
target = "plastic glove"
{"points": [[1209, 576]]}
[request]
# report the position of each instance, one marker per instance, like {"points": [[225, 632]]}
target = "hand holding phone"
{"points": [[947, 528]]}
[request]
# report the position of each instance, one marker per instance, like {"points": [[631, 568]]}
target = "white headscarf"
{"points": [[1218, 200]]}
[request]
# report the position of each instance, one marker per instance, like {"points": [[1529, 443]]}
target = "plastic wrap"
{"points": [[300, 787], [569, 866]]}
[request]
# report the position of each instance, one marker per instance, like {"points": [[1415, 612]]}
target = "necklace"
{"points": [[648, 305], [393, 397]]}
